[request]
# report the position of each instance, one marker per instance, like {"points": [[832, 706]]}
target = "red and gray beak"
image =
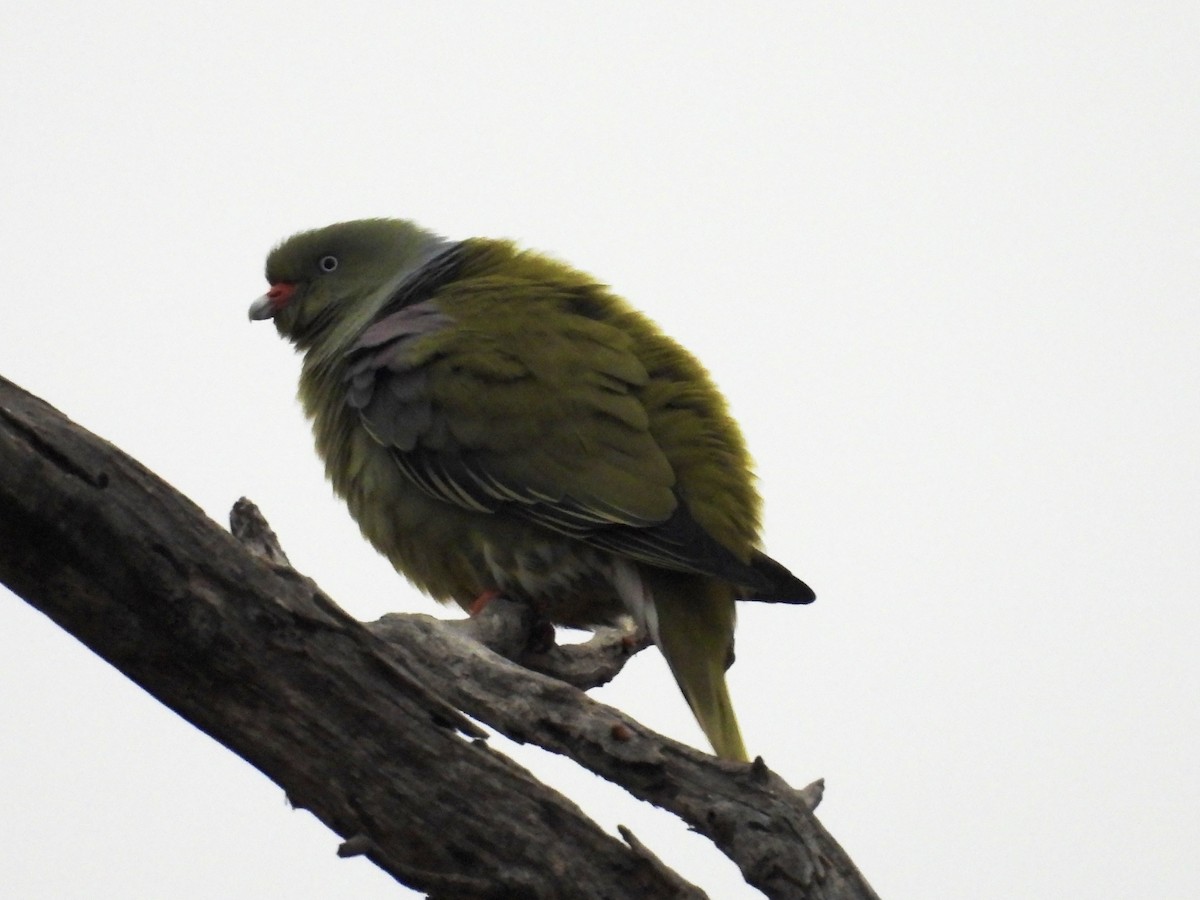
{"points": [[269, 304]]}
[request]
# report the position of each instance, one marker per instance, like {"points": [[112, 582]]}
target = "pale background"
{"points": [[944, 259]]}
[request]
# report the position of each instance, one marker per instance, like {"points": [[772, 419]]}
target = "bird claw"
{"points": [[541, 637]]}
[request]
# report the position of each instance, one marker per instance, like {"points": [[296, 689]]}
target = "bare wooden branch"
{"points": [[362, 724], [749, 812], [506, 627]]}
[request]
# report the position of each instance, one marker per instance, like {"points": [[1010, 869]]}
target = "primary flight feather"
{"points": [[498, 421]]}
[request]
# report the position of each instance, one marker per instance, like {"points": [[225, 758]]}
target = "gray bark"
{"points": [[362, 723]]}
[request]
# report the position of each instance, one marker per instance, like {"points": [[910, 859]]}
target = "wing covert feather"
{"points": [[497, 398]]}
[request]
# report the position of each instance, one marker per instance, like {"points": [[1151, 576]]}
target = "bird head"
{"points": [[327, 283]]}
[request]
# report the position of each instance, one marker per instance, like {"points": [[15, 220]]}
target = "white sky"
{"points": [[942, 259]]}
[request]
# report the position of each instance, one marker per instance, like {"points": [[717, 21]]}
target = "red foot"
{"points": [[482, 601]]}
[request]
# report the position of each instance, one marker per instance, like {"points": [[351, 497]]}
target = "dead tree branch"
{"points": [[363, 723]]}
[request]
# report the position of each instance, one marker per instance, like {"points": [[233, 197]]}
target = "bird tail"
{"points": [[695, 633]]}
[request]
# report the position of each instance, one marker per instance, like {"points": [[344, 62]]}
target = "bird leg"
{"points": [[480, 603]]}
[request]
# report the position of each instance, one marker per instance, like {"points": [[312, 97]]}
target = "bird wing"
{"points": [[495, 397]]}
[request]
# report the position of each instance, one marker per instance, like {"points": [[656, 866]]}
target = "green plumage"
{"points": [[496, 420]]}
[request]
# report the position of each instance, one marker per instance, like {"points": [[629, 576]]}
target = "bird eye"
{"points": [[328, 263]]}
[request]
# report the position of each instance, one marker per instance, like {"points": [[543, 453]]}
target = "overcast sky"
{"points": [[944, 260]]}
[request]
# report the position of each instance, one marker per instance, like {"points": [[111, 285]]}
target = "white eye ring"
{"points": [[328, 263]]}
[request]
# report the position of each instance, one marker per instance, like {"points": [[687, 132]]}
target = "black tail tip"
{"points": [[778, 585]]}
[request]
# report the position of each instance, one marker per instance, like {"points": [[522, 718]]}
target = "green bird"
{"points": [[498, 422]]}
